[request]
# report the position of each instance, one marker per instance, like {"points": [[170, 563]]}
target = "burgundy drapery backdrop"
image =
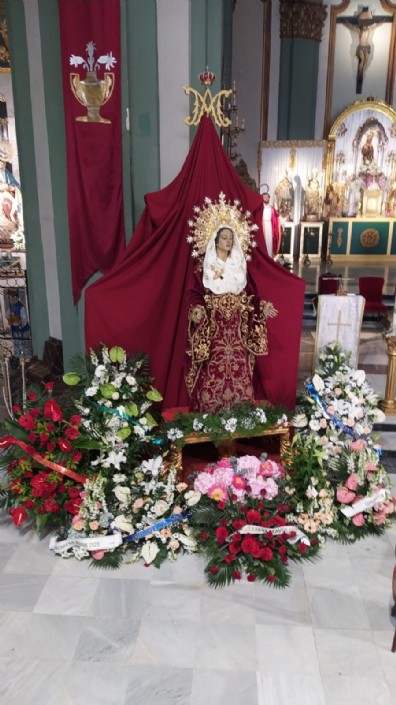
{"points": [[94, 166], [142, 303]]}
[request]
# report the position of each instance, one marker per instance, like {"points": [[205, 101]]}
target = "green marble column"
{"points": [[301, 34]]}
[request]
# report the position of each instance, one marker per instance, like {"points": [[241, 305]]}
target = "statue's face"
{"points": [[224, 240], [2, 164], [266, 198]]}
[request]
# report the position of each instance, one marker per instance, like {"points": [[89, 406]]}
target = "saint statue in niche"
{"points": [[368, 149], [284, 197], [363, 24]]}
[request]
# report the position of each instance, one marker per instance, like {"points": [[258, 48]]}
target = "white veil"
{"points": [[227, 277]]}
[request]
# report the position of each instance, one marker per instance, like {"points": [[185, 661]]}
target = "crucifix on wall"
{"points": [[364, 25]]}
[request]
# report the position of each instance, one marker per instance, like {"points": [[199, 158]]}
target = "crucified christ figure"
{"points": [[364, 24]]}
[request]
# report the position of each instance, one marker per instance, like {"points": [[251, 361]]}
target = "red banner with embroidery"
{"points": [[11, 440], [91, 59]]}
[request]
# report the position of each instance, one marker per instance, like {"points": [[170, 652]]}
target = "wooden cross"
{"points": [[339, 326]]}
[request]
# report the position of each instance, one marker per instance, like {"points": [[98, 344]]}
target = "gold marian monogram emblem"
{"points": [[208, 104], [92, 92]]}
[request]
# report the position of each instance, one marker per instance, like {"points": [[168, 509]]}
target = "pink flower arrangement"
{"points": [[239, 477], [239, 527]]}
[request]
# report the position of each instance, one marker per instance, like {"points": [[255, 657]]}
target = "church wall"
{"points": [[297, 89], [141, 142], [37, 89], [247, 73], [173, 73], [23, 98]]}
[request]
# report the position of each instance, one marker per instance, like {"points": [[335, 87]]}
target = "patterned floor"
{"points": [[74, 636]]}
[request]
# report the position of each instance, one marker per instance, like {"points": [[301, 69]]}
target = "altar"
{"points": [[362, 238]]}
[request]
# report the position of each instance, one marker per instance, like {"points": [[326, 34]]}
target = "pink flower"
{"points": [[370, 467], [379, 518], [238, 482], [359, 445], [352, 481], [218, 493], [248, 462], [98, 555], [344, 495], [358, 519], [389, 507]]}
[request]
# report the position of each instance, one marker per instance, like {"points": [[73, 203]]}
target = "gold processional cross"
{"points": [[339, 326]]}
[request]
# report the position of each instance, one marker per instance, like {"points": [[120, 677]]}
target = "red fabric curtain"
{"points": [[94, 167], [142, 303]]}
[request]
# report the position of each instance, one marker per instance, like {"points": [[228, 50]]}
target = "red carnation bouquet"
{"points": [[240, 523], [43, 456]]}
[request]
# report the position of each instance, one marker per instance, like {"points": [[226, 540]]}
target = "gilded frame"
{"points": [[358, 106], [335, 11]]}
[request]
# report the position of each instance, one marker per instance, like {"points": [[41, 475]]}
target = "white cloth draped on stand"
{"points": [[339, 320]]}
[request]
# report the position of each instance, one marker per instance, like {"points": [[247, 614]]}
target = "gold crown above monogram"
{"points": [[214, 215]]}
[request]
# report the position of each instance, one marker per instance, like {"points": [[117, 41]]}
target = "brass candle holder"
{"points": [[388, 405]]}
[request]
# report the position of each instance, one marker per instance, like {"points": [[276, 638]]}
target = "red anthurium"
{"points": [[52, 410]]}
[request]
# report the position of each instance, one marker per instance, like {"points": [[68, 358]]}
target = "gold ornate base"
{"points": [[388, 407], [87, 118], [227, 448]]}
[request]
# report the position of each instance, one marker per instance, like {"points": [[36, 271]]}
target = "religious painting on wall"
{"points": [[11, 209], [361, 171], [361, 55], [5, 61]]}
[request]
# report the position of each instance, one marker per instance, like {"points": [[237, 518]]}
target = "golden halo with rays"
{"points": [[220, 214]]}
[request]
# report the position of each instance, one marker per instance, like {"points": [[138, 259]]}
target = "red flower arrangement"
{"points": [[42, 454], [240, 523]]}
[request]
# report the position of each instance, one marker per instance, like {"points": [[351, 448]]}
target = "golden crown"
{"points": [[214, 215]]}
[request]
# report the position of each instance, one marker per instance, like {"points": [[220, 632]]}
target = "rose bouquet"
{"points": [[339, 405], [143, 514], [364, 503], [240, 523], [44, 459]]}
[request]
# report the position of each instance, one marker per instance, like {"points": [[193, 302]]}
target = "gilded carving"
{"points": [[369, 237], [303, 20]]}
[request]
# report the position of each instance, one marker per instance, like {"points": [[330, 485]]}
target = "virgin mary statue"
{"points": [[227, 322]]}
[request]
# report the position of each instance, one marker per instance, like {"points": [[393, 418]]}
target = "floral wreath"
{"points": [[220, 214]]}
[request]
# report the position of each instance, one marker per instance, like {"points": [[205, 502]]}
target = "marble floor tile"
{"points": [[158, 686], [286, 649], [235, 604], [48, 636], [166, 643], [290, 689], [212, 687], [357, 689], [168, 600], [279, 607], [107, 639], [31, 681], [338, 609], [20, 593], [383, 642], [97, 683], [347, 652], [27, 558], [226, 647], [67, 595], [6, 551], [119, 598]]}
